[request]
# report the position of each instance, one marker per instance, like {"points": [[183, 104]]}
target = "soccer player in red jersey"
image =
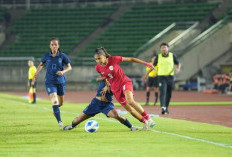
{"points": [[121, 86]]}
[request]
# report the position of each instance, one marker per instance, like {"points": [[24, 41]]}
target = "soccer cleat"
{"points": [[60, 124], [163, 110], [68, 127], [151, 123], [134, 128], [145, 126]]}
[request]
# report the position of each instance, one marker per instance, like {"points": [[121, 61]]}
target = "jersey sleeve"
{"points": [[117, 59], [156, 60], [43, 59], [96, 68], [176, 60], [66, 60]]}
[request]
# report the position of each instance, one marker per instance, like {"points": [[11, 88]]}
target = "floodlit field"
{"points": [[31, 130]]}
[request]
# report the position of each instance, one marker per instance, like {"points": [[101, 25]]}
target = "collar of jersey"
{"points": [[57, 54], [165, 56]]}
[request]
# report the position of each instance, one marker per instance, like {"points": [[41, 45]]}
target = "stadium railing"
{"points": [[15, 61], [154, 39], [182, 36], [204, 35]]}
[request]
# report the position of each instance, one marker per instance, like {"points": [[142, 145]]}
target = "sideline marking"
{"points": [[111, 120]]}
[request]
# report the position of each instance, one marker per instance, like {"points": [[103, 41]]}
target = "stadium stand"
{"points": [[37, 26], [2, 14], [230, 10], [143, 21]]}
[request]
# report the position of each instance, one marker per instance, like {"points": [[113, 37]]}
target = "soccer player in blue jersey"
{"points": [[100, 104], [55, 79]]}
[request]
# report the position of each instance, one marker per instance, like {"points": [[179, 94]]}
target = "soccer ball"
{"points": [[91, 126]]}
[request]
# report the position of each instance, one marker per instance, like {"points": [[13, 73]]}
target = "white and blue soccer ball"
{"points": [[91, 126]]}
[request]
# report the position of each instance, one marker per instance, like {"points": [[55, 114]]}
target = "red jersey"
{"points": [[113, 72]]}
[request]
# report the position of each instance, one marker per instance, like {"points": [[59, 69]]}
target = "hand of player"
{"points": [[101, 78], [177, 70], [149, 65], [60, 73]]}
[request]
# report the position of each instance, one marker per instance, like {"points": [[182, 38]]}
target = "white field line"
{"points": [[111, 120]]}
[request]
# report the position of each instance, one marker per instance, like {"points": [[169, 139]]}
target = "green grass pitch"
{"points": [[31, 130]]}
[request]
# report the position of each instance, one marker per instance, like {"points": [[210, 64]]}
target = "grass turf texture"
{"points": [[31, 130]]}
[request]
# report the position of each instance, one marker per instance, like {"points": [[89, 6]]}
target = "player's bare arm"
{"points": [[106, 88], [147, 73], [100, 78], [136, 60], [39, 68], [177, 69]]}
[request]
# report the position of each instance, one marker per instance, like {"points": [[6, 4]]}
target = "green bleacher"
{"points": [[142, 22], [229, 12], [2, 14], [71, 25]]}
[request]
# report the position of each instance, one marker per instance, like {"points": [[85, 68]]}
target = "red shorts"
{"points": [[120, 94]]}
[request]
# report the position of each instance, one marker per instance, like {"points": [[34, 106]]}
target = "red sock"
{"points": [[143, 120], [145, 115]]}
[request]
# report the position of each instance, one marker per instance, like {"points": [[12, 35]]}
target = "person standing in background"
{"points": [[166, 62], [32, 87], [152, 81], [230, 77]]}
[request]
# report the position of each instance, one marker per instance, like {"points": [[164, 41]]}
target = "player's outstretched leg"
{"points": [[82, 117], [114, 114], [130, 99]]}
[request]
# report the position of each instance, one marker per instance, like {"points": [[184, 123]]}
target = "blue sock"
{"points": [[56, 111], [127, 123], [74, 125]]}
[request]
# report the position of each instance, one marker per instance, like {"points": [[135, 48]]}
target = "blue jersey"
{"points": [[54, 64], [100, 87]]}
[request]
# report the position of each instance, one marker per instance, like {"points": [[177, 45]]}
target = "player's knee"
{"points": [[54, 99], [116, 116], [130, 101], [55, 102]]}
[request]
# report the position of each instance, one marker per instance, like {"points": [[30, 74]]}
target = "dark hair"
{"points": [[57, 39], [164, 44], [102, 51]]}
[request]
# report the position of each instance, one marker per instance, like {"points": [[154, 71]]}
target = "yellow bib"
{"points": [[31, 72], [166, 65]]}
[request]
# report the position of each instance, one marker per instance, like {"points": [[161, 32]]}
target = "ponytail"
{"points": [[102, 51]]}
